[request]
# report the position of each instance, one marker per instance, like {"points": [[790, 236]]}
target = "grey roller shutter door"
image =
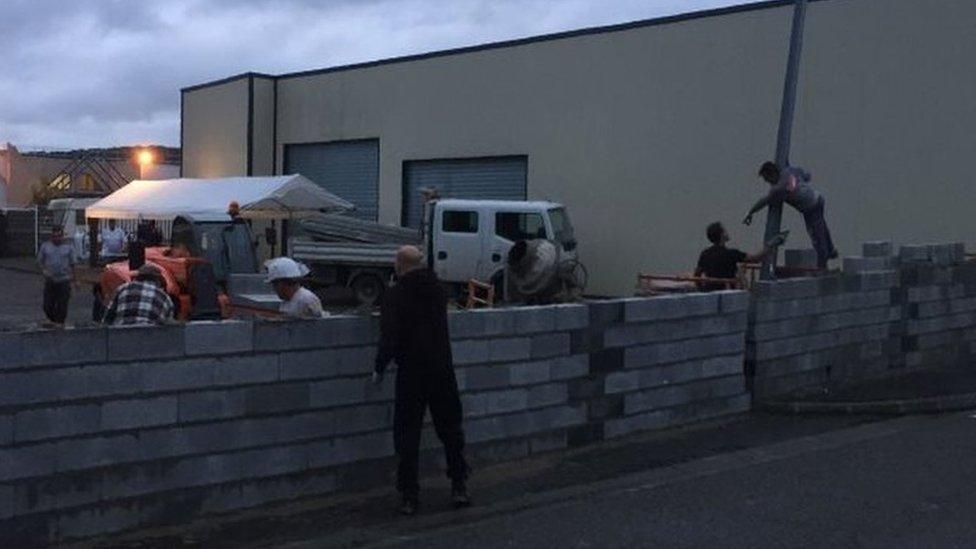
{"points": [[499, 178], [349, 169]]}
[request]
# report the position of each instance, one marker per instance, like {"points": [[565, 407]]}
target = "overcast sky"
{"points": [[81, 73]]}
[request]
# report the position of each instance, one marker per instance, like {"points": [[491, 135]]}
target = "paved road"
{"points": [[906, 483], [21, 300]]}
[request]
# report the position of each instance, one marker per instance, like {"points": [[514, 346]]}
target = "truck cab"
{"points": [[468, 239]]}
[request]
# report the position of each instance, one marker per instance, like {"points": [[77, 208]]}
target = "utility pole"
{"points": [[774, 215]]}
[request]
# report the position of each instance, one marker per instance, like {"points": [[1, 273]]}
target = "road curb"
{"points": [[928, 405]]}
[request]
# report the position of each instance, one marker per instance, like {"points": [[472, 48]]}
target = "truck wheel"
{"points": [[367, 288]]}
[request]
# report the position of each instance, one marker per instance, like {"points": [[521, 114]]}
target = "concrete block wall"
{"points": [[104, 430], [938, 289], [665, 361], [821, 331]]}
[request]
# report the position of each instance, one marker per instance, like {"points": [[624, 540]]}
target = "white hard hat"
{"points": [[284, 267]]}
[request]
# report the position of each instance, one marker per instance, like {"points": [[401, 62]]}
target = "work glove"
{"points": [[747, 220]]}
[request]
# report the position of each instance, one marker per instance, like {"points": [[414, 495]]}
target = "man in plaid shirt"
{"points": [[142, 301]]}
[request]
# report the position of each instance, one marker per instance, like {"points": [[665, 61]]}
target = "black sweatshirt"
{"points": [[413, 325]]}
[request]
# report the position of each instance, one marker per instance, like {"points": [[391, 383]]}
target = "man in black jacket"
{"points": [[414, 333]]}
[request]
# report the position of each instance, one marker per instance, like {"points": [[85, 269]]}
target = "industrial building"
{"points": [[646, 131]]}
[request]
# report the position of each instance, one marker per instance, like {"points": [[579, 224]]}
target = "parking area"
{"points": [[22, 295]]}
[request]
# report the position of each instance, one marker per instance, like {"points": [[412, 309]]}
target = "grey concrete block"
{"points": [[733, 301], [678, 395], [350, 449], [245, 370], [957, 252], [529, 373], [679, 351], [466, 324], [28, 461], [323, 333], [803, 326], [178, 375], [670, 306], [269, 399], [877, 280], [77, 346], [135, 413], [201, 406], [621, 382], [691, 371], [47, 423], [510, 400], [101, 451], [327, 363], [115, 379], [474, 404], [768, 310], [572, 316], [6, 430], [530, 320], [218, 337], [789, 288], [878, 248], [641, 422], [482, 377], [145, 342], [914, 253], [550, 394], [804, 258], [548, 443], [338, 392], [514, 348], [469, 351], [942, 254], [854, 264], [605, 312], [550, 345], [43, 386], [11, 351], [568, 367], [626, 335]]}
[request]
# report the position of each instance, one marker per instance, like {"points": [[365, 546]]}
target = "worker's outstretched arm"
{"points": [[760, 204]]}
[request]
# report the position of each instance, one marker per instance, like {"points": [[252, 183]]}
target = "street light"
{"points": [[145, 158]]}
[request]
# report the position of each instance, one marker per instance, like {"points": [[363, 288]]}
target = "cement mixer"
{"points": [[539, 272]]}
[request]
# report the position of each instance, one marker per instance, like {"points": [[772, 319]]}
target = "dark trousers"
{"points": [[56, 296], [415, 392], [819, 234]]}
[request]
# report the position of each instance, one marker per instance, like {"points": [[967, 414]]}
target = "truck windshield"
{"points": [[561, 226], [228, 248]]}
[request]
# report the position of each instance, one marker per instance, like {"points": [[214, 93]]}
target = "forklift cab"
{"points": [[226, 245]]}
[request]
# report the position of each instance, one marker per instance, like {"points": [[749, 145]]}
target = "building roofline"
{"points": [[642, 23], [228, 80]]}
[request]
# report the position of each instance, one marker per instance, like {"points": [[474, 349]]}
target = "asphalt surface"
{"points": [[904, 483], [21, 297]]}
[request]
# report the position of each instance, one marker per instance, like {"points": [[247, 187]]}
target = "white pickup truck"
{"points": [[462, 239]]}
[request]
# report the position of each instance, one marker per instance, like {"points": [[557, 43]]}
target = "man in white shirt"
{"points": [[285, 276], [113, 240]]}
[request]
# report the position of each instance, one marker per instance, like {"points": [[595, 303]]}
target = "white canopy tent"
{"points": [[287, 196]]}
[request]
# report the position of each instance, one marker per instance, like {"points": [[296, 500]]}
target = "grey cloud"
{"points": [[105, 72]]}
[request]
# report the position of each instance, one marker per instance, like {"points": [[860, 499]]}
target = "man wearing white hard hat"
{"points": [[285, 276]]}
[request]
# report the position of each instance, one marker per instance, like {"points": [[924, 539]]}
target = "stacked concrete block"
{"points": [[805, 258], [670, 360], [939, 295], [105, 429], [817, 332]]}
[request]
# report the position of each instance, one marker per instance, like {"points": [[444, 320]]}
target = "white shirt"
{"points": [[113, 241], [304, 304]]}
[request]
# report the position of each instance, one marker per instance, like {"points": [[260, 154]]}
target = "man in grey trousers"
{"points": [[56, 257]]}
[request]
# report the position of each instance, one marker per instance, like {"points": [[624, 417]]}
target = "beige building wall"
{"points": [[214, 134], [262, 127], [650, 133]]}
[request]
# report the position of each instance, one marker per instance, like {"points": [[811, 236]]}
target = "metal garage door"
{"points": [[498, 178], [349, 169]]}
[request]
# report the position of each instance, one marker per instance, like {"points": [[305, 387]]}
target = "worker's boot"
{"points": [[459, 495]]}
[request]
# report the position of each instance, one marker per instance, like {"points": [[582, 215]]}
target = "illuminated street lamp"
{"points": [[145, 158]]}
